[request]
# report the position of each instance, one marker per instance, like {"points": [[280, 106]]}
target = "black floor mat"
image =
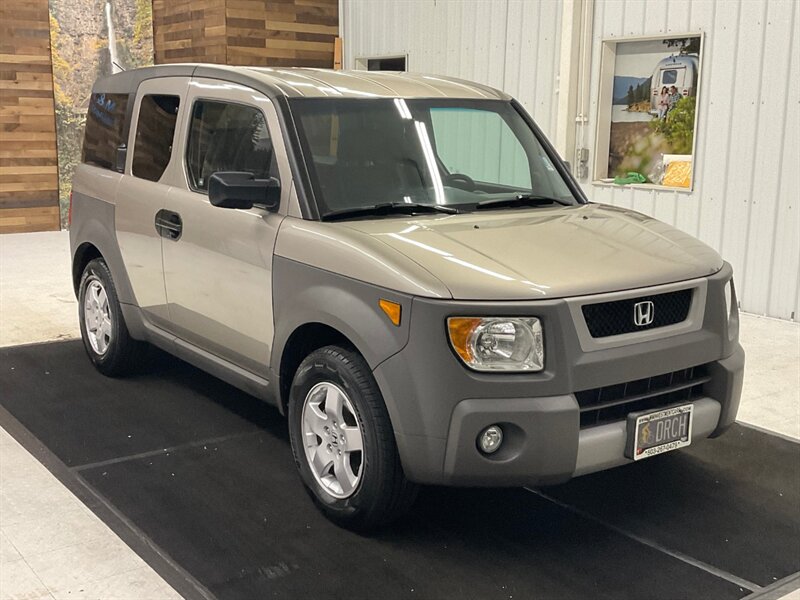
{"points": [[206, 473], [732, 502]]}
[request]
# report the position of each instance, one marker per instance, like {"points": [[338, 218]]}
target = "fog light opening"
{"points": [[490, 439]]}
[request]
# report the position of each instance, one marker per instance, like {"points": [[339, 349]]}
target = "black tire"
{"points": [[383, 493], [124, 355]]}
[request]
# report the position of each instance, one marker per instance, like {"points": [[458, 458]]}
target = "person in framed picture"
{"points": [[663, 103], [674, 96]]}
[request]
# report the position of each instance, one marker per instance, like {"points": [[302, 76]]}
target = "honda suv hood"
{"points": [[549, 252]]}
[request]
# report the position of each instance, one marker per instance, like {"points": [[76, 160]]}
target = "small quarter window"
{"points": [[155, 131], [227, 137], [105, 129]]}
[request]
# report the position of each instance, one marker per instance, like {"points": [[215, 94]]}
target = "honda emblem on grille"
{"points": [[643, 313]]}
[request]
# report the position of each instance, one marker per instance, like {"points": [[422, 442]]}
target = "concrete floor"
{"points": [[51, 546], [37, 303]]}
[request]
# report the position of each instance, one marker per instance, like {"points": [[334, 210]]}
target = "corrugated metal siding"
{"points": [[512, 45], [745, 201]]}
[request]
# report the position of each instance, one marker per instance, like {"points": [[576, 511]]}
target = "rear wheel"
{"points": [[105, 336], [343, 442]]}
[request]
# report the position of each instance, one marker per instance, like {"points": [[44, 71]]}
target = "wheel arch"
{"points": [[304, 340], [84, 254]]}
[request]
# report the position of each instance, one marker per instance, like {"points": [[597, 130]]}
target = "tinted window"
{"points": [[227, 137], [670, 76], [480, 144], [155, 131], [105, 129]]}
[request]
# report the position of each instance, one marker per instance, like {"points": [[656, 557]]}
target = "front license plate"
{"points": [[658, 432]]}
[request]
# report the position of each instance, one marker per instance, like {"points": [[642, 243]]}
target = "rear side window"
{"points": [[227, 137], [105, 129], [155, 131]]}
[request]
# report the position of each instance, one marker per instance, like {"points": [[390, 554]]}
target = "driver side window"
{"points": [[480, 144], [227, 137]]}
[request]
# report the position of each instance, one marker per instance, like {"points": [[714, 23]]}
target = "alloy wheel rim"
{"points": [[332, 440], [97, 317]]}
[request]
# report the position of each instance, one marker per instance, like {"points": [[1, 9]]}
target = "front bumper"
{"points": [[546, 444], [438, 407]]}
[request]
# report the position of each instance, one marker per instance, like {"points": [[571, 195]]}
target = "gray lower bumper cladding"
{"points": [[544, 443]]}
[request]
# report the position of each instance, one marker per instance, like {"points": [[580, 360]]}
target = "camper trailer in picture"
{"points": [[680, 71]]}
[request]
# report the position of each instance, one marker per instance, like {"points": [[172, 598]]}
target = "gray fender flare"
{"points": [[305, 295], [95, 226]]}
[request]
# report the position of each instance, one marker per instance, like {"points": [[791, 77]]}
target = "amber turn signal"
{"points": [[460, 329], [392, 310]]}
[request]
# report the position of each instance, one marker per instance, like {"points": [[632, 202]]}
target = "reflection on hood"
{"points": [[545, 252]]}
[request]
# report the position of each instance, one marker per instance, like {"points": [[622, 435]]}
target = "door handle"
{"points": [[169, 224]]}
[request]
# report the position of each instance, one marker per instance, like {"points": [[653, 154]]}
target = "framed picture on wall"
{"points": [[647, 111]]}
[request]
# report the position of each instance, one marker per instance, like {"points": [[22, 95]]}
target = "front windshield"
{"points": [[455, 153]]}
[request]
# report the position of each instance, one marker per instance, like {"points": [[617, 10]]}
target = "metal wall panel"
{"points": [[744, 202], [508, 44]]}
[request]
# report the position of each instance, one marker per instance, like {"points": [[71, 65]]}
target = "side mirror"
{"points": [[239, 189]]}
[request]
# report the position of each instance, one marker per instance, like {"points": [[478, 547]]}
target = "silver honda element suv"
{"points": [[402, 265]]}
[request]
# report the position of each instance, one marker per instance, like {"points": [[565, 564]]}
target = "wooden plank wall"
{"points": [[28, 160], [189, 31], [298, 33], [288, 33]]}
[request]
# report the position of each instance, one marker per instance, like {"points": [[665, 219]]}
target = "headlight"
{"points": [[498, 343]]}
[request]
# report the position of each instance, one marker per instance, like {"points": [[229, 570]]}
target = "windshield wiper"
{"points": [[521, 200], [388, 208]]}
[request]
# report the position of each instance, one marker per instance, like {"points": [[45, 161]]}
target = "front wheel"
{"points": [[343, 442], [105, 336]]}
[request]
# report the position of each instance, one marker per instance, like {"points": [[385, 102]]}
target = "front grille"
{"points": [[614, 402], [617, 317]]}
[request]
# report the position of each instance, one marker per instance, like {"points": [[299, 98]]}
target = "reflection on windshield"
{"points": [[366, 152], [430, 159]]}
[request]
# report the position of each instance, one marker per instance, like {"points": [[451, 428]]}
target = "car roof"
{"points": [[297, 82]]}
